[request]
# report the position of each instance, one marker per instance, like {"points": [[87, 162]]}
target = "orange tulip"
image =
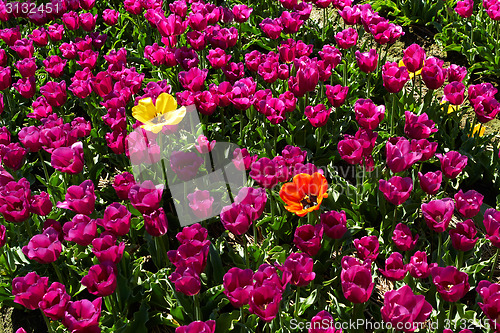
{"points": [[305, 193]]}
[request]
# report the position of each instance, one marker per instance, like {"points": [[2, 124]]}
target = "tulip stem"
{"points": [[245, 251], [297, 299], [58, 272], [368, 85], [494, 265], [241, 314], [197, 309], [47, 322], [450, 312]]}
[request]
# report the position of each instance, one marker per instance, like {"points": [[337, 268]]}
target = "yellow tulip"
{"points": [[155, 116], [476, 129]]}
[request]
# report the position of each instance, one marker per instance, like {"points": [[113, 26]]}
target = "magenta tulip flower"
{"points": [[83, 315], [438, 213], [68, 159], [418, 127], [334, 224], [238, 284], [394, 77], [368, 115], [450, 283], [55, 301], [197, 326], [433, 73], [462, 237], [28, 290], [418, 266], [413, 58], [101, 279], [403, 237], [367, 61], [452, 163], [399, 155], [395, 270], [356, 280], [317, 115], [298, 269], [367, 247], [430, 182], [265, 302], [396, 190], [405, 310], [80, 198], [469, 203], [45, 247], [81, 230], [308, 238], [492, 225]]}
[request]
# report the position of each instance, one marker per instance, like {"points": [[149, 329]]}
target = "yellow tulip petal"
{"points": [[144, 111], [165, 103]]}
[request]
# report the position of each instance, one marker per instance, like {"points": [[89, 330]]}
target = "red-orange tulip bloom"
{"points": [[305, 193]]}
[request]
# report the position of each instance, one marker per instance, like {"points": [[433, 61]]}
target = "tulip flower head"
{"points": [[155, 116], [305, 193]]}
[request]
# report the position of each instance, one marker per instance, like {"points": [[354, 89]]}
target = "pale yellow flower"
{"points": [[155, 116]]}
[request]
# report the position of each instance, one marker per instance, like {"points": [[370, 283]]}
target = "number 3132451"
{"points": [[30, 8]]}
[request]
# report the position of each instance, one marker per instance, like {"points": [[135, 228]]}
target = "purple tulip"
{"points": [[418, 266], [323, 322], [367, 247], [394, 77], [197, 326], [405, 310], [454, 93], [81, 230], [54, 93], [298, 269], [101, 279], [45, 247], [347, 38], [403, 237], [54, 302], [145, 197], [238, 284], [156, 222], [308, 238], [462, 237], [236, 218], [430, 182], [68, 159], [317, 115], [450, 283], [116, 219], [368, 115], [122, 184], [395, 270], [452, 163], [334, 224], [424, 147], [105, 249], [491, 223], [399, 155], [265, 302], [438, 213], [433, 73], [418, 127], [469, 203], [490, 297], [414, 57], [83, 315], [192, 254], [186, 280], [28, 290], [80, 198], [396, 190], [356, 280], [456, 73]]}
